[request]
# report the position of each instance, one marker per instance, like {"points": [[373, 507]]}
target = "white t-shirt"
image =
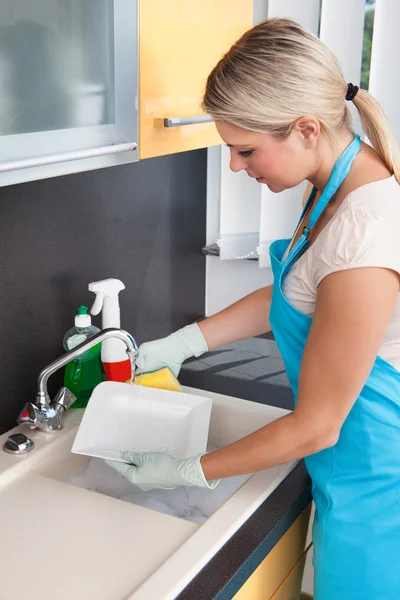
{"points": [[364, 232]]}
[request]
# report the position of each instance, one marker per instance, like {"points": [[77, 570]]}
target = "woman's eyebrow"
{"points": [[239, 145]]}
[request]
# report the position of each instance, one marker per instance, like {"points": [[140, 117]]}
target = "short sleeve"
{"points": [[357, 238]]}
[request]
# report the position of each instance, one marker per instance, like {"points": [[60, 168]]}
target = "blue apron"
{"points": [[356, 483]]}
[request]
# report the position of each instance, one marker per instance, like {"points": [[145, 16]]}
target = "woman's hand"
{"points": [[171, 351], [151, 470]]}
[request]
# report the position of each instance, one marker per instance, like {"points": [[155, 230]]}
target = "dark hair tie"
{"points": [[351, 91]]}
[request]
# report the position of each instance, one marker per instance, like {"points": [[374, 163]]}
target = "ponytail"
{"points": [[378, 131]]}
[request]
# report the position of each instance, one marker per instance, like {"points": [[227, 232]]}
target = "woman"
{"points": [[279, 101]]}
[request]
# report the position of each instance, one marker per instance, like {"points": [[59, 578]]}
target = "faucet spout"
{"points": [[42, 396], [47, 415]]}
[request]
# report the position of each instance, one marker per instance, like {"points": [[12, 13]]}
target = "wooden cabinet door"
{"points": [[268, 578], [290, 589], [180, 41]]}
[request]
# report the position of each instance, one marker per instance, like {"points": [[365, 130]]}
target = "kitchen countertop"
{"points": [[251, 369]]}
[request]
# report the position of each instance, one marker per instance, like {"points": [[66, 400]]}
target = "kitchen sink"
{"points": [[86, 524]]}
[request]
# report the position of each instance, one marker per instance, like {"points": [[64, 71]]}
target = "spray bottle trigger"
{"points": [[97, 304]]}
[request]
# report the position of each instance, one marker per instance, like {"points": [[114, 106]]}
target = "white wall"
{"points": [[228, 281]]}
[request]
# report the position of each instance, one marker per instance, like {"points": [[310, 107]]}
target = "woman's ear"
{"points": [[309, 129]]}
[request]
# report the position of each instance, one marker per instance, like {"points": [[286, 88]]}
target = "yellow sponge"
{"points": [[163, 379]]}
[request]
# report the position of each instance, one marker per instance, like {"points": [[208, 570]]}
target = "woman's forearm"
{"points": [[281, 441], [245, 318]]}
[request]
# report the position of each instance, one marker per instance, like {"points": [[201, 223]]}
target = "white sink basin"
{"points": [[90, 545]]}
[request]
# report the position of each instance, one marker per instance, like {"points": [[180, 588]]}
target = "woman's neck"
{"points": [[328, 153]]}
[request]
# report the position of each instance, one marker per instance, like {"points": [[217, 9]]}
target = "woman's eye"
{"points": [[245, 152]]}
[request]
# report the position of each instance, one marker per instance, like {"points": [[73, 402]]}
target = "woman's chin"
{"points": [[274, 187]]}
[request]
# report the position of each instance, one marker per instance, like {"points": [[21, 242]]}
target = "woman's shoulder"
{"points": [[364, 232], [380, 197], [372, 187]]}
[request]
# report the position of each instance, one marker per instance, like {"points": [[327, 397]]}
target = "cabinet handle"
{"points": [[179, 122], [40, 161]]}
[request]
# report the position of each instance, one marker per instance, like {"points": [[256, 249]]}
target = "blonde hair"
{"points": [[278, 72]]}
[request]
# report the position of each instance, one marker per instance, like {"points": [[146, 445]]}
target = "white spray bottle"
{"points": [[117, 365]]}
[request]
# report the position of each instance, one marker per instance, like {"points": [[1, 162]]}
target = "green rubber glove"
{"points": [[172, 350], [152, 470]]}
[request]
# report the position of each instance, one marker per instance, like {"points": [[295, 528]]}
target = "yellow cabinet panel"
{"points": [[290, 588], [180, 41], [268, 577]]}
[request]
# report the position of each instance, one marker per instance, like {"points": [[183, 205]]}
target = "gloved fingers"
{"points": [[127, 471], [136, 458], [175, 368]]}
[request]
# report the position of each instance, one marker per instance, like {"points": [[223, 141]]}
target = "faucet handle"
{"points": [[64, 398], [46, 419], [29, 414]]}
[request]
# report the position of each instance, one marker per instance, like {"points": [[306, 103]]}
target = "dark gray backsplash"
{"points": [[143, 223]]}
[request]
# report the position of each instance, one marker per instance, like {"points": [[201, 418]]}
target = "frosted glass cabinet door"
{"points": [[68, 86]]}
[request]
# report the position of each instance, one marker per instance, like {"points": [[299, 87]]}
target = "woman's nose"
{"points": [[236, 163]]}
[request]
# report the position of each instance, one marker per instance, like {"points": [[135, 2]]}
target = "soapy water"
{"points": [[185, 502]]}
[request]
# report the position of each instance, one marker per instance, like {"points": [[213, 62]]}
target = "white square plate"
{"points": [[121, 416]]}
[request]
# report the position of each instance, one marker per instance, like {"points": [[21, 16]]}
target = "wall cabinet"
{"points": [[74, 87], [180, 42], [68, 86], [279, 575]]}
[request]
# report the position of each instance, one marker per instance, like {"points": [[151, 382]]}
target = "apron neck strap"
{"points": [[339, 173]]}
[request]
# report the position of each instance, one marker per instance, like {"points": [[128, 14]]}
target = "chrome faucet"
{"points": [[45, 414]]}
